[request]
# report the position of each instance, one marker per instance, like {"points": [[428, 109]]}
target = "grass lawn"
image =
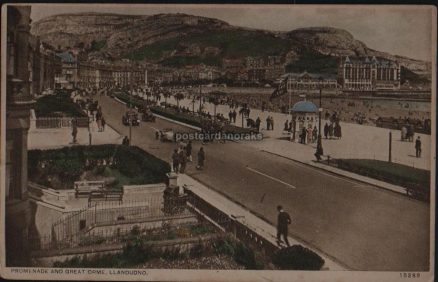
{"points": [[394, 173]]}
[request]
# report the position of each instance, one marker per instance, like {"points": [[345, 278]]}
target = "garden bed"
{"points": [[188, 118], [120, 165], [216, 253], [59, 105]]}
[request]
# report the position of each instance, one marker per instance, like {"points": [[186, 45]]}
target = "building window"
{"points": [[11, 54]]}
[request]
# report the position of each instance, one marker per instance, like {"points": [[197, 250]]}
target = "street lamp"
{"points": [[319, 150]]}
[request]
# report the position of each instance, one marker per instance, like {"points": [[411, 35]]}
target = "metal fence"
{"points": [[109, 213], [240, 230]]}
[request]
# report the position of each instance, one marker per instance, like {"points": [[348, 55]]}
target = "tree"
{"points": [[215, 101], [178, 97], [166, 95]]}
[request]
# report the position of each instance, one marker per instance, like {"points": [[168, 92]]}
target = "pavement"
{"points": [[257, 224], [60, 137], [361, 225]]}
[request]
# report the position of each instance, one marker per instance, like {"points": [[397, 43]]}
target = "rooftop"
{"points": [[304, 107]]}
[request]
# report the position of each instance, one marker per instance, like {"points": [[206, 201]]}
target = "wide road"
{"points": [[359, 225]]}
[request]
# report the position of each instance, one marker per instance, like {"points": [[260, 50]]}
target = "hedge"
{"points": [[195, 120], [187, 118], [394, 173], [297, 257], [70, 162], [51, 105]]}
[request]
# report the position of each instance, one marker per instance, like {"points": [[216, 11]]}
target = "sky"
{"points": [[399, 30]]}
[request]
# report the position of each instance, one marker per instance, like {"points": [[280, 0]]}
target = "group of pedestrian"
{"points": [[288, 126], [183, 155], [269, 123], [232, 115], [100, 120], [308, 135], [332, 130]]}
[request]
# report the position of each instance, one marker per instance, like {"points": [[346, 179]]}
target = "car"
{"points": [[147, 115], [167, 135], [130, 117]]}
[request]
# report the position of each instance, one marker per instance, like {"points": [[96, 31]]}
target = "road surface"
{"points": [[359, 225]]}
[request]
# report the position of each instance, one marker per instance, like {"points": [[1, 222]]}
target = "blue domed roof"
{"points": [[305, 107]]}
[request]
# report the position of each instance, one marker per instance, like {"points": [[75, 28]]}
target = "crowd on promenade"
{"points": [[182, 155]]}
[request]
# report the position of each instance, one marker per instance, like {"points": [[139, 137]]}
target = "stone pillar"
{"points": [[18, 107], [173, 195]]}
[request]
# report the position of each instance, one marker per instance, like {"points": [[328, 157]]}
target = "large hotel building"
{"points": [[368, 74]]}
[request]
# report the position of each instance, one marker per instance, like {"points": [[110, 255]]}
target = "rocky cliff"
{"points": [[180, 39]]}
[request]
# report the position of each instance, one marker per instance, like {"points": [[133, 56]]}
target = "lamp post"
{"points": [[200, 98], [319, 150]]}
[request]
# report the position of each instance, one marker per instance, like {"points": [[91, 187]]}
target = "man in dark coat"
{"points": [[257, 123], [303, 135], [182, 160], [74, 131], [201, 158], [326, 130], [175, 161], [418, 147], [189, 151], [283, 221]]}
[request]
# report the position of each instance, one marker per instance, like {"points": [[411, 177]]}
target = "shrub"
{"points": [[137, 251], [70, 162], [297, 258], [91, 240], [135, 231]]}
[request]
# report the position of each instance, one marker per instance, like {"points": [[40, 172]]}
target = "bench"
{"points": [[84, 188]]}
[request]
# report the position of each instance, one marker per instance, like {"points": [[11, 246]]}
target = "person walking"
{"points": [[309, 134], [182, 160], [283, 221], [268, 123], [189, 151], [303, 135], [74, 131], [314, 134], [330, 130], [326, 130], [418, 147], [257, 123], [286, 126], [103, 123], [175, 161], [125, 141], [201, 159]]}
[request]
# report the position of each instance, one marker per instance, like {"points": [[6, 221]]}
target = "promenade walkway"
{"points": [[61, 137], [357, 142]]}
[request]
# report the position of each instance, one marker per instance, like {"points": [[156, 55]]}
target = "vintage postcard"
{"points": [[218, 142]]}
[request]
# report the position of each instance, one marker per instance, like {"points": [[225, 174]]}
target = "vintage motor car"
{"points": [[148, 116], [167, 135], [130, 117]]}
